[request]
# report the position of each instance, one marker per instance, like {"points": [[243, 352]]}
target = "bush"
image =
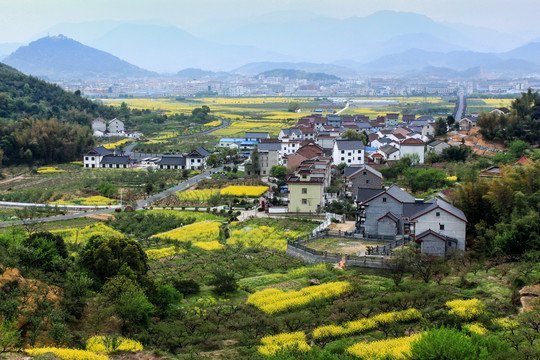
{"points": [[447, 343], [224, 281], [186, 287]]}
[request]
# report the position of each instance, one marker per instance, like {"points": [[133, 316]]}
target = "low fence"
{"points": [[313, 256], [327, 221]]}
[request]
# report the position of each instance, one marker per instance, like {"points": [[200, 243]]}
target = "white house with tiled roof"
{"points": [[412, 146]]}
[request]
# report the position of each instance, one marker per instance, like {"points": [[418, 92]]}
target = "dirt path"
{"points": [[12, 179]]}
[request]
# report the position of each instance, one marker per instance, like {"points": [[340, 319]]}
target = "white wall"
{"points": [[453, 226]]}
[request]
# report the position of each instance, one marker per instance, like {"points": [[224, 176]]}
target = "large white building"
{"points": [[412, 146], [350, 152]]}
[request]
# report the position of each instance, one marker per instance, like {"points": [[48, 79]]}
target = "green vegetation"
{"points": [[523, 122]]}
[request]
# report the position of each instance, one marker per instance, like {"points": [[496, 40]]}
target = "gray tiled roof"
{"points": [[172, 160], [100, 150], [273, 146], [349, 144], [256, 135], [388, 149], [366, 194], [349, 171], [399, 194], [111, 159]]}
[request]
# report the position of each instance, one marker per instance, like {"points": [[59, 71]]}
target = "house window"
{"points": [[383, 199], [342, 159], [437, 214], [367, 181], [92, 159], [343, 151], [441, 226], [86, 158], [304, 190], [304, 201], [349, 154], [365, 173]]}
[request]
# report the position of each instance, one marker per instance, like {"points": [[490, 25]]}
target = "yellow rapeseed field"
{"points": [[81, 235], [48, 170], [199, 232], [466, 309], [154, 254], [67, 354], [275, 300], [294, 341], [105, 344], [89, 201], [383, 349]]}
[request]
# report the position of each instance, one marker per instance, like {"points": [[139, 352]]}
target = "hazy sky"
{"points": [[21, 20]]}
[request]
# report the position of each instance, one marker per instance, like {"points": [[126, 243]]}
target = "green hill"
{"points": [[42, 122]]}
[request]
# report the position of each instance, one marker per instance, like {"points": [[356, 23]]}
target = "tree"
{"points": [[148, 188], [212, 160], [294, 106], [124, 111], [441, 128], [517, 148], [456, 153], [106, 257], [351, 134], [224, 280], [278, 171], [107, 189], [450, 120]]}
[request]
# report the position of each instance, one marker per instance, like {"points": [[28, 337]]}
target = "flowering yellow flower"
{"points": [[210, 245], [67, 354], [476, 328], [359, 326], [90, 201], [466, 309], [506, 323], [81, 235], [48, 170], [262, 236], [106, 344], [116, 144], [382, 349], [244, 190], [274, 300], [154, 254], [275, 343], [198, 232]]}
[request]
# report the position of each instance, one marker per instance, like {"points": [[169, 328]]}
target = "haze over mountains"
{"points": [[385, 42]]}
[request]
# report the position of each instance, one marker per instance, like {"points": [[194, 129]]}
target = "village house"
{"points": [[100, 125], [437, 146], [196, 159], [362, 177], [256, 136], [306, 186], [467, 123], [350, 152], [116, 127], [437, 225], [389, 153], [176, 162], [412, 146], [268, 155]]}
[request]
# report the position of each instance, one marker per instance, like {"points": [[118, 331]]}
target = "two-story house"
{"points": [[350, 152], [116, 127], [362, 177], [197, 159]]}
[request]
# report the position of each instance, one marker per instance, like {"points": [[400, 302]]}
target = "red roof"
{"points": [[412, 141]]}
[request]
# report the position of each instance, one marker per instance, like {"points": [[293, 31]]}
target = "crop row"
{"points": [[396, 348], [154, 254], [274, 300], [261, 236], [275, 343], [67, 354], [90, 201], [466, 309], [199, 232], [106, 344], [81, 235], [359, 326]]}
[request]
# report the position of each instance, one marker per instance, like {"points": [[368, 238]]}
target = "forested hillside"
{"points": [[41, 122], [523, 122]]}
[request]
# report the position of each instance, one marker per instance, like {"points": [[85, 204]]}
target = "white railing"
{"points": [[327, 221]]}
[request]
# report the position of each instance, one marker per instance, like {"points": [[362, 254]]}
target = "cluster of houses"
{"points": [[469, 122], [101, 157], [114, 127]]}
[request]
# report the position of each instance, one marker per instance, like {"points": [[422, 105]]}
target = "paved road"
{"points": [[461, 106], [345, 108], [182, 186]]}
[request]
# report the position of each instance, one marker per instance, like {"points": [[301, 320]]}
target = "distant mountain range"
{"points": [[384, 42], [299, 74], [58, 57]]}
